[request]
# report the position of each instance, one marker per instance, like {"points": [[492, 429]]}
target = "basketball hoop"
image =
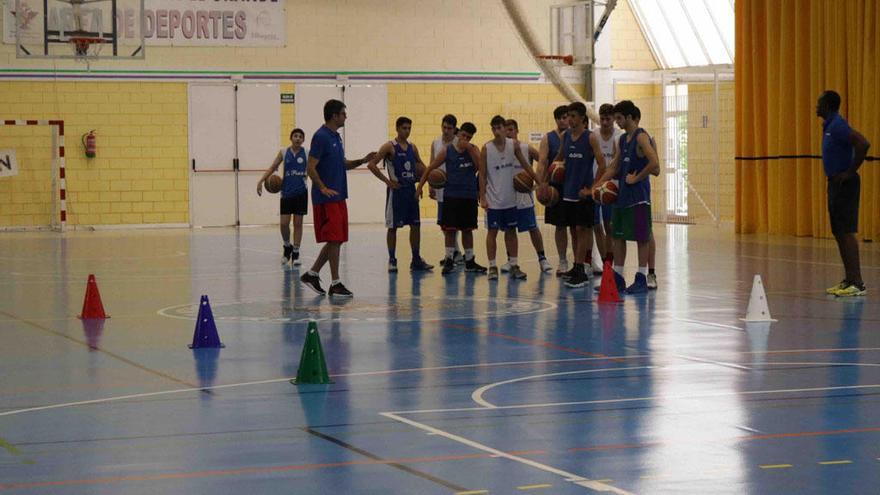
{"points": [[82, 45], [566, 59]]}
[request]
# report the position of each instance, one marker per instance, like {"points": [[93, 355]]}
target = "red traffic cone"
{"points": [[608, 287], [92, 305]]}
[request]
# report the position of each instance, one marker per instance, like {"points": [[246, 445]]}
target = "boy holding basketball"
{"points": [[579, 148], [327, 168], [448, 130], [526, 221], [547, 151], [459, 196], [294, 195], [608, 140], [404, 166], [498, 196], [631, 213]]}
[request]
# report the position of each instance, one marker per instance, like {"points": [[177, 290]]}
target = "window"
{"points": [[688, 33]]}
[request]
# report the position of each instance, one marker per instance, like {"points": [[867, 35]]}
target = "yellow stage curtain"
{"points": [[787, 53]]}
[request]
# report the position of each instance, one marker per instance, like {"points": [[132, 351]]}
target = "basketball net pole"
{"points": [[547, 67]]}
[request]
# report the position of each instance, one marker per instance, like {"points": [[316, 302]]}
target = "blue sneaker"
{"points": [[639, 286]]}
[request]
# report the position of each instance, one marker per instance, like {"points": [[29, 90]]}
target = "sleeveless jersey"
{"points": [[607, 147], [523, 200], [461, 174], [500, 193], [294, 180], [436, 147], [630, 161], [402, 167], [578, 156]]}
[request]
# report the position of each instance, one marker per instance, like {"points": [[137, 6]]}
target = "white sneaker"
{"points": [[563, 268], [493, 273], [652, 281], [546, 267], [505, 267]]}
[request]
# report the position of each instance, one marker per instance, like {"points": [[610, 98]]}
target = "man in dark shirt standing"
{"points": [[843, 151]]}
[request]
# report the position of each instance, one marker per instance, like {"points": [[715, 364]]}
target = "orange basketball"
{"points": [[547, 195], [557, 173], [522, 182], [437, 178], [606, 193], [273, 183]]}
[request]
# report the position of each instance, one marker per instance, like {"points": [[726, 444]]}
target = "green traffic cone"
{"points": [[312, 366]]}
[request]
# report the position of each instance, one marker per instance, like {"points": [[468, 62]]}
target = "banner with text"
{"points": [[165, 22], [8, 165]]}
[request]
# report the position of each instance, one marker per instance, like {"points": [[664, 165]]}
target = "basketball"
{"points": [[522, 182], [273, 184], [547, 195], [557, 173], [606, 193], [437, 178]]}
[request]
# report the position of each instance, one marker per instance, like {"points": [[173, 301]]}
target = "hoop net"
{"points": [[85, 47]]}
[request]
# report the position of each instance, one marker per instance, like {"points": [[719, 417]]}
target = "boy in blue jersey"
{"points": [[631, 213], [843, 151], [547, 151], [579, 149], [327, 167], [404, 166], [294, 195], [448, 131], [459, 196]]}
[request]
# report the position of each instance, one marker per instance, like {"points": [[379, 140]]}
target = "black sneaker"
{"points": [[458, 257], [312, 282], [579, 279], [294, 259], [570, 274], [339, 290], [471, 265], [420, 265], [288, 251], [448, 266]]}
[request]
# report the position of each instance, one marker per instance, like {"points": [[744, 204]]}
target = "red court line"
{"points": [[798, 434], [254, 470], [539, 343]]}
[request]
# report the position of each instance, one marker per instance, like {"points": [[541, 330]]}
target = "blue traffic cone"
{"points": [[205, 334]]}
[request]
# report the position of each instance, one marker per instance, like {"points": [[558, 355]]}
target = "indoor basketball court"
{"points": [[159, 336]]}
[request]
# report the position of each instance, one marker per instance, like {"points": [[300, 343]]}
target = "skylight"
{"points": [[688, 33]]}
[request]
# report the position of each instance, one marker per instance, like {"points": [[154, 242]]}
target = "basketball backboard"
{"points": [[571, 31], [79, 29]]}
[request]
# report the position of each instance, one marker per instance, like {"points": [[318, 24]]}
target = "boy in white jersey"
{"points": [[525, 202], [404, 167], [497, 195], [448, 129], [608, 139]]}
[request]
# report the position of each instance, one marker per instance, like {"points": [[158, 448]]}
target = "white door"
{"points": [[212, 154], [259, 139], [365, 130]]}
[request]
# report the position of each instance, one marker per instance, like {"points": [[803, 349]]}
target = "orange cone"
{"points": [[608, 287], [92, 305]]}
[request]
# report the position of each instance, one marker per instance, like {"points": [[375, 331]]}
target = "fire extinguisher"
{"points": [[90, 143]]}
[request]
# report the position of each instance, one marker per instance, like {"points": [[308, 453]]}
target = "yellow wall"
{"points": [[27, 197], [140, 174], [629, 49]]}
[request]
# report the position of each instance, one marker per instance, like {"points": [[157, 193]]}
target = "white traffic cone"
{"points": [[758, 309]]}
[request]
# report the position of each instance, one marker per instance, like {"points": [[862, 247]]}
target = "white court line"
{"points": [[711, 324], [279, 380], [668, 397], [573, 478], [477, 395], [712, 361]]}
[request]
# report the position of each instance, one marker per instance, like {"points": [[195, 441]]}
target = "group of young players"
{"points": [[484, 177]]}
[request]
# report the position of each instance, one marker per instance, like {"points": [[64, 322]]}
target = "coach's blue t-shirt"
{"points": [[837, 151], [327, 149], [294, 182]]}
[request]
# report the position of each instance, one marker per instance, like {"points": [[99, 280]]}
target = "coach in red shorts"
{"points": [[327, 168]]}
